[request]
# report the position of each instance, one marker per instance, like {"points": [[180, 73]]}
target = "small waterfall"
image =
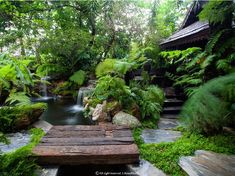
{"points": [[80, 97], [44, 88], [83, 92]]}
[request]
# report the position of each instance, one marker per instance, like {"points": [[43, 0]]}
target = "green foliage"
{"points": [[120, 67], [78, 77], [14, 73], [115, 66], [9, 116], [150, 101], [112, 88], [18, 162], [216, 11], [165, 156], [210, 107], [66, 88], [50, 69], [18, 99], [3, 139]]}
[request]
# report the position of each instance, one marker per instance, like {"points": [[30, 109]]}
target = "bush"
{"points": [[15, 118], [150, 101], [211, 107], [78, 77], [66, 88], [112, 88], [114, 66]]}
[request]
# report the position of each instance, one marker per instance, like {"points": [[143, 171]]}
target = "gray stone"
{"points": [[47, 171], [158, 136], [122, 118], [165, 124], [144, 168], [45, 126], [17, 140], [206, 163]]}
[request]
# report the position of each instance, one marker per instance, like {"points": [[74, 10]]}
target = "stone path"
{"points": [[145, 168], [158, 136], [168, 121], [206, 163]]}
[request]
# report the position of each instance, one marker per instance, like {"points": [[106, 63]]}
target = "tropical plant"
{"points": [[10, 116], [18, 99], [150, 101], [112, 88], [14, 73], [211, 107], [78, 77]]}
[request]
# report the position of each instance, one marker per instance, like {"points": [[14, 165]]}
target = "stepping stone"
{"points": [[47, 171], [172, 110], [45, 126], [145, 168], [169, 116], [165, 124], [158, 136], [173, 102], [17, 140], [206, 163]]}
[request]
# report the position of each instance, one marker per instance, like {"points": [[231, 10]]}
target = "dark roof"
{"points": [[191, 29], [196, 31]]}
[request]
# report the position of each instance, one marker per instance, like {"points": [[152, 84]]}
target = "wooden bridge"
{"points": [[80, 144]]}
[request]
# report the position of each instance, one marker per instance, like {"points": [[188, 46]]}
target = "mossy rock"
{"points": [[18, 118]]}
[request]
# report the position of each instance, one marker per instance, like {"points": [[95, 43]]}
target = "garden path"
{"points": [[167, 122]]}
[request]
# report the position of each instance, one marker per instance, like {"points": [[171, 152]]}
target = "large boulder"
{"points": [[122, 118]]}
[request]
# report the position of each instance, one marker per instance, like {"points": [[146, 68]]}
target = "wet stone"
{"points": [[167, 123], [158, 136], [206, 163], [17, 140], [47, 171], [144, 168]]}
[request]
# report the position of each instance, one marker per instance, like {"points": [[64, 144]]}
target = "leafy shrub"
{"points": [[78, 77], [11, 116], [18, 99], [112, 88], [14, 73], [150, 101], [211, 106], [115, 66], [50, 69], [65, 88], [18, 162]]}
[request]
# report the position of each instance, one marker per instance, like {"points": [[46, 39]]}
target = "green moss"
{"points": [[66, 88], [18, 163], [165, 156]]}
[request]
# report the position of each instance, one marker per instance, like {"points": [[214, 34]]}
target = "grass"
{"points": [[18, 163], [165, 156]]}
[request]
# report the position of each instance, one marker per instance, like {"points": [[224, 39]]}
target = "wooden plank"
{"points": [[88, 127], [101, 154], [122, 133], [85, 141], [63, 134]]}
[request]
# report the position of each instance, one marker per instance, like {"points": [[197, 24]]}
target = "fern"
{"points": [[18, 99], [217, 11], [78, 77]]}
